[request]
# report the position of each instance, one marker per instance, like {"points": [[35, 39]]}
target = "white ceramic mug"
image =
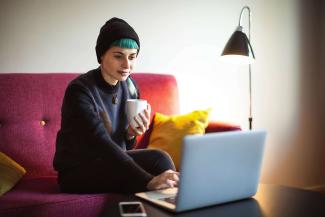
{"points": [[133, 108]]}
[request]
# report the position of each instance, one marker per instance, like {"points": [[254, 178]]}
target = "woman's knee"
{"points": [[163, 158], [154, 161], [158, 153]]}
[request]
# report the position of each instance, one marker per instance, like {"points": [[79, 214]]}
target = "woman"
{"points": [[94, 145]]}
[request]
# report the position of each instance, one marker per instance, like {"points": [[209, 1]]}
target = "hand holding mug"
{"points": [[138, 113]]}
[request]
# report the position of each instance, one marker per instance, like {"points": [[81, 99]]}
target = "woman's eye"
{"points": [[118, 57], [132, 57]]}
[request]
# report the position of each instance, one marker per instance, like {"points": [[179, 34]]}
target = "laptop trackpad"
{"points": [[160, 194]]}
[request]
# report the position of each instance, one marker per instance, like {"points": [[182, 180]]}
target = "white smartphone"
{"points": [[132, 208]]}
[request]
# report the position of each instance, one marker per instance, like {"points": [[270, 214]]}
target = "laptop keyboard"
{"points": [[171, 200]]}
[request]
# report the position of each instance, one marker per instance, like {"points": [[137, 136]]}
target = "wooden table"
{"points": [[270, 201]]}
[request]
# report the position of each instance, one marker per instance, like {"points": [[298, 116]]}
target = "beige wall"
{"points": [[185, 38]]}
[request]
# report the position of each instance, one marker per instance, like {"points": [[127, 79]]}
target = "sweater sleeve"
{"points": [[80, 108]]}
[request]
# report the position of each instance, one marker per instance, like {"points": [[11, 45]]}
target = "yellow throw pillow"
{"points": [[168, 131], [10, 173]]}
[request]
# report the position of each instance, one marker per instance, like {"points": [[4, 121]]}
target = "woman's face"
{"points": [[117, 64]]}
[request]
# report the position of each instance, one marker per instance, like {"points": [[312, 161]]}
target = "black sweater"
{"points": [[93, 127]]}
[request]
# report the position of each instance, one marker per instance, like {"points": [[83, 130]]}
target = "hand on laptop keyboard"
{"points": [[167, 179]]}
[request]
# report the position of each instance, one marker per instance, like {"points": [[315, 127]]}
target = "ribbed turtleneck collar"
{"points": [[103, 84]]}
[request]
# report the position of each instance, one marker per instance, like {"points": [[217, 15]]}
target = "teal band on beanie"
{"points": [[125, 43]]}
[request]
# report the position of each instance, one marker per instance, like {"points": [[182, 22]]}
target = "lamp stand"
{"points": [[250, 118]]}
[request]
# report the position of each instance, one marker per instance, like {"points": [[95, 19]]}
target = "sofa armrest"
{"points": [[217, 126]]}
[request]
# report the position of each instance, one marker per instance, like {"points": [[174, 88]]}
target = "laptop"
{"points": [[215, 168]]}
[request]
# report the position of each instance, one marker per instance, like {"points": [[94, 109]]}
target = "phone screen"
{"points": [[132, 209]]}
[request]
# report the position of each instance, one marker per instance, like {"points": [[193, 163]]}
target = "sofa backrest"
{"points": [[30, 113]]}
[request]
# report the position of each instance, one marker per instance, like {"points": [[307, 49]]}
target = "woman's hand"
{"points": [[142, 121], [167, 179]]}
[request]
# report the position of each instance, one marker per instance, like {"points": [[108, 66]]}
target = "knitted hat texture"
{"points": [[114, 29]]}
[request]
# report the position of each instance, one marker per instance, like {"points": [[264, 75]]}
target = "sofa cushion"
{"points": [[30, 118], [11, 172], [41, 197], [160, 90], [30, 113], [168, 131]]}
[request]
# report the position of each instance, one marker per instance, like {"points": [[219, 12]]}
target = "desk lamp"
{"points": [[238, 49]]}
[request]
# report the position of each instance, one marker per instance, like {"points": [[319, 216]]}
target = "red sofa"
{"points": [[29, 120]]}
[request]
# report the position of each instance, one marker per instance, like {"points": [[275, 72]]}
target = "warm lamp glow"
{"points": [[233, 58]]}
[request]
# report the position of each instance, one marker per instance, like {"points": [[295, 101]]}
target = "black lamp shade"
{"points": [[238, 44]]}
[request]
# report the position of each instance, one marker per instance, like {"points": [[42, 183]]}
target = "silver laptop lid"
{"points": [[219, 167]]}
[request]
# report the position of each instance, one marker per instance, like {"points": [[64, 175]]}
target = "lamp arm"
{"points": [[249, 20]]}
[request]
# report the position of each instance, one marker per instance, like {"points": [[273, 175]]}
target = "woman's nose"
{"points": [[126, 64]]}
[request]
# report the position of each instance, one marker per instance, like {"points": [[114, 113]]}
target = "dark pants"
{"points": [[104, 176]]}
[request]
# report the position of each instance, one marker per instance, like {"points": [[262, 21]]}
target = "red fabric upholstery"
{"points": [[29, 120], [221, 127], [26, 100], [161, 92], [38, 197]]}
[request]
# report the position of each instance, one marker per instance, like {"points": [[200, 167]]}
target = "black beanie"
{"points": [[114, 29]]}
